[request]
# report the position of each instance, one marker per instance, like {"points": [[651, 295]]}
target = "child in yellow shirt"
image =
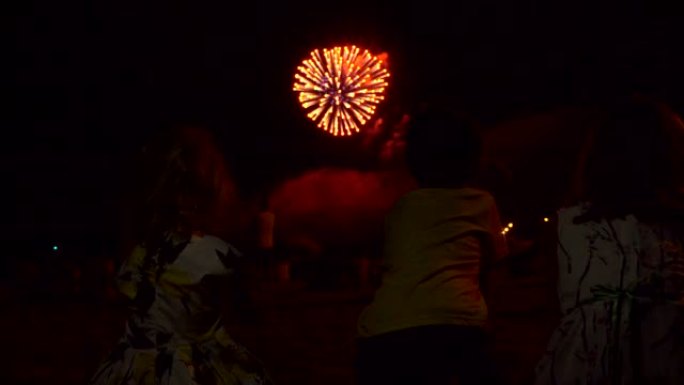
{"points": [[426, 323]]}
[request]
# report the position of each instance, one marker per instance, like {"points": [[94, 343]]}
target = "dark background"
{"points": [[87, 81]]}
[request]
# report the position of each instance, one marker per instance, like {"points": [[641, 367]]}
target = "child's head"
{"points": [[443, 149], [633, 158], [185, 182]]}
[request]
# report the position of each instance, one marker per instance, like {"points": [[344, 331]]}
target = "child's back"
{"points": [[176, 333], [435, 241], [426, 322], [179, 279]]}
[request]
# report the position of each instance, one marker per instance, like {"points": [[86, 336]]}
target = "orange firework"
{"points": [[341, 88]]}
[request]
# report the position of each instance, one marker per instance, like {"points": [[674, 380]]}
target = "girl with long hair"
{"points": [[620, 254], [181, 273]]}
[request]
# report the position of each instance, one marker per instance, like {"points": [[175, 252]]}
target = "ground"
{"points": [[303, 336]]}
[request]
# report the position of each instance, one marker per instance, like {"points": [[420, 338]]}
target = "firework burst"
{"points": [[341, 87]]}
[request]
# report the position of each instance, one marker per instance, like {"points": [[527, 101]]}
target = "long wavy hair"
{"points": [[184, 186], [633, 161]]}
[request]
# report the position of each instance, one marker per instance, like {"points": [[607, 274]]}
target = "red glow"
{"points": [[334, 206]]}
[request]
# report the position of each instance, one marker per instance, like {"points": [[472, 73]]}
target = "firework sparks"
{"points": [[341, 87]]}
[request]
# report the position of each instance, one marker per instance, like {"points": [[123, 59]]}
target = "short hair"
{"points": [[443, 149]]}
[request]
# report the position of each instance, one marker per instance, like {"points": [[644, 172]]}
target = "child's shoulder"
{"points": [[208, 254], [439, 203], [208, 241]]}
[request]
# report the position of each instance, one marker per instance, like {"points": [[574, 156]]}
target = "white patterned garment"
{"points": [[175, 334], [620, 288]]}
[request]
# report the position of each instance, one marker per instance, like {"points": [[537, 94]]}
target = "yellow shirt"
{"points": [[434, 243]]}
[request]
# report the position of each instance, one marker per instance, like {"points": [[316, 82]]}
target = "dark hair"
{"points": [[633, 162], [443, 149], [182, 181]]}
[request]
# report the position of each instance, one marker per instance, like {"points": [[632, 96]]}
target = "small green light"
{"points": [[55, 247]]}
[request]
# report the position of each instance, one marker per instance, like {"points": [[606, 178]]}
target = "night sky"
{"points": [[89, 80]]}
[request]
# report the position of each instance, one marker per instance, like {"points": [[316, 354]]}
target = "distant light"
{"points": [[510, 225], [55, 247], [546, 219]]}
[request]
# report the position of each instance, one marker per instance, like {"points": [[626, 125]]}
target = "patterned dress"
{"points": [[621, 288], [175, 334]]}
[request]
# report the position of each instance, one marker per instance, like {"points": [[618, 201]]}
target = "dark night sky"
{"points": [[89, 80]]}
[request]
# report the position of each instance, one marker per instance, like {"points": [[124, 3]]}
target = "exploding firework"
{"points": [[340, 88]]}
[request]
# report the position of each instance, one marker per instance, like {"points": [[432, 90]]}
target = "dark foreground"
{"points": [[302, 335]]}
